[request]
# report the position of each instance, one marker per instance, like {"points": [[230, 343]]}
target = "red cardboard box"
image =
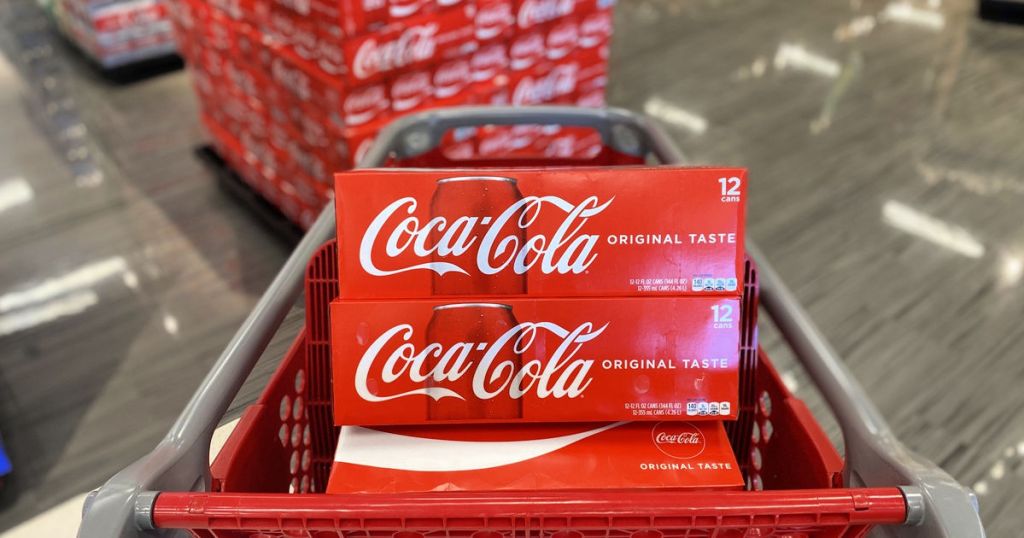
{"points": [[526, 51], [452, 82], [416, 42], [531, 13], [617, 456], [493, 20], [540, 232], [546, 83], [411, 91], [534, 360], [562, 38]]}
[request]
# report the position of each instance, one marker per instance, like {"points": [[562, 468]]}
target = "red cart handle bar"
{"points": [[534, 510]]}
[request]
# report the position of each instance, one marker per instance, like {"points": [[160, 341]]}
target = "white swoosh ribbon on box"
{"points": [[374, 448]]}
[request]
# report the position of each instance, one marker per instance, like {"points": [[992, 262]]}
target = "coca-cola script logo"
{"points": [[499, 242], [282, 25], [361, 106], [404, 8], [410, 90], [561, 40], [680, 440], [532, 12], [492, 19], [415, 44], [299, 6], [559, 82], [526, 50], [488, 61], [331, 58], [451, 78], [292, 78], [595, 29], [393, 356]]}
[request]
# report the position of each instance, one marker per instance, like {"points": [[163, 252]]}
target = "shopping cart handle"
{"points": [[417, 134]]}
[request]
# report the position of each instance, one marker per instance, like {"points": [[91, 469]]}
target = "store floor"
{"points": [[884, 146]]}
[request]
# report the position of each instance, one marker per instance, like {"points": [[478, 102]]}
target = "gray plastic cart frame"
{"points": [[937, 506]]}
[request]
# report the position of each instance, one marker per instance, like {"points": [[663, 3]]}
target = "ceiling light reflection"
{"points": [[83, 277], [170, 324], [14, 192], [906, 13], [668, 112], [797, 57], [46, 312], [939, 232], [857, 27], [1011, 271]]}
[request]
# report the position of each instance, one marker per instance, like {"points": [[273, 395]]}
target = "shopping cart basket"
{"points": [[264, 481]]}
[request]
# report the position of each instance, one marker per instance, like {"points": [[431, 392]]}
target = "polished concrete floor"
{"points": [[886, 147]]}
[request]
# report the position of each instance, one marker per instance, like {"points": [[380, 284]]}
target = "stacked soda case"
{"points": [[117, 32], [502, 329], [294, 90]]}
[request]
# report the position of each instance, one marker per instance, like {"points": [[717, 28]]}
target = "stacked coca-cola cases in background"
{"points": [[294, 90], [117, 32]]}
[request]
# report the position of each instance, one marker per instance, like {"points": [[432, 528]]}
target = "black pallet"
{"points": [[232, 183]]}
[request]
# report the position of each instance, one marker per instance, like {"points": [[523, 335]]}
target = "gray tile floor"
{"points": [[883, 139]]}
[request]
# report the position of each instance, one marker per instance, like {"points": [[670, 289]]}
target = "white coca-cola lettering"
{"points": [[307, 161], [559, 82], [296, 81], [492, 18], [559, 375], [594, 99], [361, 106], [313, 131], [460, 151], [415, 44], [566, 251], [451, 78], [282, 24], [526, 50], [684, 438], [299, 6], [409, 90], [405, 8], [304, 40], [331, 60], [488, 61], [497, 143], [561, 40], [532, 12], [595, 29]]}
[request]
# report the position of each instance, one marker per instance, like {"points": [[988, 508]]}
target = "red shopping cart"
{"points": [[264, 483]]}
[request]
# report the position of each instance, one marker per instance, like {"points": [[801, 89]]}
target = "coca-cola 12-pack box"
{"points": [[404, 362], [502, 457], [632, 231]]}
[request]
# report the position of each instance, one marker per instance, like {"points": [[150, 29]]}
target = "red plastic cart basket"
{"points": [[264, 482]]}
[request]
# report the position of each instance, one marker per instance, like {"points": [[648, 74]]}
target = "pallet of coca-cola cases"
{"points": [[292, 91]]}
